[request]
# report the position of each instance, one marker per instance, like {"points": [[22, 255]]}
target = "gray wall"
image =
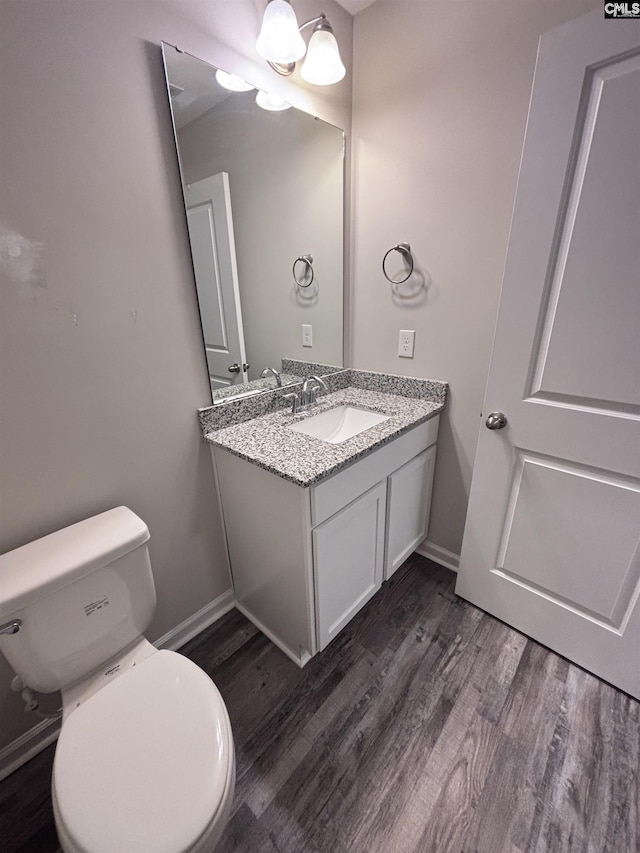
{"points": [[440, 99], [101, 355]]}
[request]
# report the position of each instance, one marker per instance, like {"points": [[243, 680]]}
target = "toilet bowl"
{"points": [[145, 758], [146, 764]]}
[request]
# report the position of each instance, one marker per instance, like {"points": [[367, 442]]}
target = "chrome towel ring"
{"points": [[308, 270], [405, 251]]}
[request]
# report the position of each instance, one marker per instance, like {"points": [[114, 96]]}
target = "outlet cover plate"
{"points": [[406, 340]]}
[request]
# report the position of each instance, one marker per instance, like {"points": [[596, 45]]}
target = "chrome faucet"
{"points": [[306, 399], [274, 373], [310, 391]]}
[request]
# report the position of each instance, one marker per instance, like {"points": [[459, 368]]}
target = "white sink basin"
{"points": [[339, 424]]}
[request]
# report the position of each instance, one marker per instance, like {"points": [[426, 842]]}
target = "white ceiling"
{"points": [[355, 6]]}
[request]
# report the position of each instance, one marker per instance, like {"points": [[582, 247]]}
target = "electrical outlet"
{"points": [[405, 343], [307, 335]]}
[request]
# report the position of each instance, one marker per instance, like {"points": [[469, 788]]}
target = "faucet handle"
{"points": [[295, 399]]}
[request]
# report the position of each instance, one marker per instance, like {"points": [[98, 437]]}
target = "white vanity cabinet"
{"points": [[304, 560], [348, 556]]}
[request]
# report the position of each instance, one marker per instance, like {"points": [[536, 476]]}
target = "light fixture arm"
{"points": [[321, 17]]}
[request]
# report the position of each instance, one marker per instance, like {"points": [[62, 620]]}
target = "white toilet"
{"points": [[145, 759]]}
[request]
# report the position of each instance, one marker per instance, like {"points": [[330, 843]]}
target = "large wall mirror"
{"points": [[264, 199]]}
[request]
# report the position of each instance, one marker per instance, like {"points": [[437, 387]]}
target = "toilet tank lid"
{"points": [[41, 567]]}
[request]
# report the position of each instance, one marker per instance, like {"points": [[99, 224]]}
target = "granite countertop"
{"points": [[305, 460], [254, 387]]}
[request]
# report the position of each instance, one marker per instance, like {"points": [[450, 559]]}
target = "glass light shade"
{"points": [[232, 82], [271, 102], [323, 65], [280, 40]]}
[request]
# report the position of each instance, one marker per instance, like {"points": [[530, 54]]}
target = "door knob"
{"points": [[496, 420], [234, 368]]}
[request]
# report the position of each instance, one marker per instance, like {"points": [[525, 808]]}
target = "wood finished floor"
{"points": [[426, 726]]}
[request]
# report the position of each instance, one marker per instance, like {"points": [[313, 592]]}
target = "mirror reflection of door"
{"points": [[214, 263]]}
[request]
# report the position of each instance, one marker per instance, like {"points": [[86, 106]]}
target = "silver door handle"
{"points": [[496, 420], [234, 368]]}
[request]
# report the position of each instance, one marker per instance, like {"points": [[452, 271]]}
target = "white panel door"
{"points": [[551, 543], [214, 263]]}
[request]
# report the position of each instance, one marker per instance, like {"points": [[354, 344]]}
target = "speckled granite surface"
{"points": [[236, 411], [231, 412], [308, 368], [254, 387], [405, 386], [304, 460]]}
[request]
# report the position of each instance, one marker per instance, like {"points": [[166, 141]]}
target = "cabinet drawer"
{"points": [[339, 490]]}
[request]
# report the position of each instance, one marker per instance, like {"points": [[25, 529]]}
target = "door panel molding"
{"points": [[593, 141], [585, 404], [544, 487]]}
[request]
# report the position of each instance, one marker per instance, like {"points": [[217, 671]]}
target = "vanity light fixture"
{"points": [[271, 102], [232, 82], [281, 44]]}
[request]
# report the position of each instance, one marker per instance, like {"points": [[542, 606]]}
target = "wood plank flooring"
{"points": [[427, 726]]}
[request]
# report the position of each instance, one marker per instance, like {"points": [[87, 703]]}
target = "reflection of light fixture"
{"points": [[271, 102], [281, 44], [232, 82]]}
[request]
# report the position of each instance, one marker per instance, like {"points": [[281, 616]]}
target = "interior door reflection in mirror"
{"points": [[264, 194]]}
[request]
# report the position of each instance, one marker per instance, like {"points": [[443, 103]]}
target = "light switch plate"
{"points": [[406, 340]]}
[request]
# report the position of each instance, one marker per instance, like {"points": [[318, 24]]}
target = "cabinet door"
{"points": [[348, 551], [408, 504]]}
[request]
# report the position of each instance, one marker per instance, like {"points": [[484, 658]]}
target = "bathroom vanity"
{"points": [[314, 528]]}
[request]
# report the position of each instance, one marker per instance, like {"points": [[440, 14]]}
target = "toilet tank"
{"points": [[83, 594]]}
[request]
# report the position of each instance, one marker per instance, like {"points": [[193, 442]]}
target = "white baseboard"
{"points": [[23, 748], [439, 555], [191, 627]]}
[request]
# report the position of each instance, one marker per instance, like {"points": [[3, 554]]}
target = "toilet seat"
{"points": [[147, 763]]}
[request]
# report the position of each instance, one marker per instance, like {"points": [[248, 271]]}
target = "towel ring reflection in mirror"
{"points": [[405, 250], [307, 276]]}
